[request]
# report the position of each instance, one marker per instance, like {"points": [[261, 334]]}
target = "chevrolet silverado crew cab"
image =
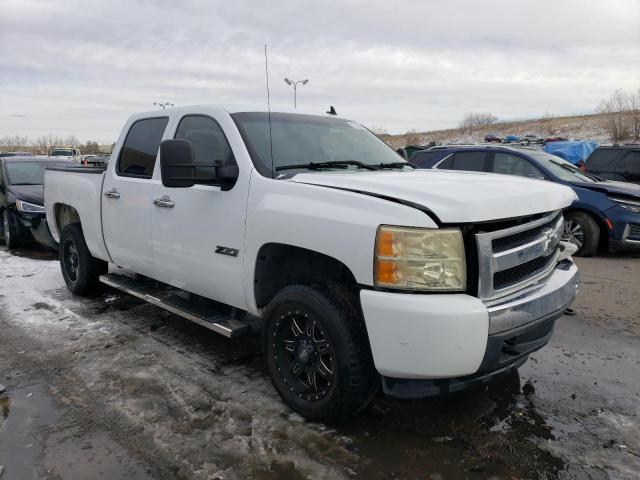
{"points": [[358, 270]]}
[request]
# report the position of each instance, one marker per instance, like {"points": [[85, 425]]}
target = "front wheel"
{"points": [[318, 353], [80, 270], [9, 230], [583, 231]]}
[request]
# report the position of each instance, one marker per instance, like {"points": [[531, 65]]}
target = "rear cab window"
{"points": [[140, 149]]}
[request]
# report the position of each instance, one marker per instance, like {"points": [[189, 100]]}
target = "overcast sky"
{"points": [[82, 67]]}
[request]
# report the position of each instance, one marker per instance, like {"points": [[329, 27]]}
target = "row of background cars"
{"points": [[606, 214], [605, 217], [22, 213]]}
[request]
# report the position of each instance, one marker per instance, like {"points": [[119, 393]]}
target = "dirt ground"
{"points": [[110, 388]]}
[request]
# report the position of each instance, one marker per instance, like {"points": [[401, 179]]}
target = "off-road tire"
{"points": [[334, 308], [84, 278], [9, 230], [591, 233]]}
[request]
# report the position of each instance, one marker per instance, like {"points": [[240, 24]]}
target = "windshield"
{"points": [[561, 168], [62, 152], [29, 173], [303, 139]]}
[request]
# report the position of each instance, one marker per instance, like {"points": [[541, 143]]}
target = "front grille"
{"points": [[512, 258], [517, 274], [634, 232], [510, 241]]}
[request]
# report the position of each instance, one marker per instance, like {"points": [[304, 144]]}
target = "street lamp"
{"points": [[164, 105], [295, 88]]}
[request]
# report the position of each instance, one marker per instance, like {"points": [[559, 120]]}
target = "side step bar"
{"points": [[212, 315]]}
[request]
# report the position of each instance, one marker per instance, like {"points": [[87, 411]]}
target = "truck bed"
{"points": [[77, 189]]}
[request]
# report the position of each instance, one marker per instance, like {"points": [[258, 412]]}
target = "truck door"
{"points": [[126, 197], [198, 232]]}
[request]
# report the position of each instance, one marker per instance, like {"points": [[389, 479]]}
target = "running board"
{"points": [[212, 315]]}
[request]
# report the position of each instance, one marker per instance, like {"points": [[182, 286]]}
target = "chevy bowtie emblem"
{"points": [[550, 241]]}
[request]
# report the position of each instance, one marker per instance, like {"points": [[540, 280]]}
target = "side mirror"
{"points": [[180, 169]]}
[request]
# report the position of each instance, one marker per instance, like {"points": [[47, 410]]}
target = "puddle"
{"points": [[26, 412]]}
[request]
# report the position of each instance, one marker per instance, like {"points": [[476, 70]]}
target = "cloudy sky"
{"points": [[81, 67]]}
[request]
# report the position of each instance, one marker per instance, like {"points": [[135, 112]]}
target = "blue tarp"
{"points": [[571, 151]]}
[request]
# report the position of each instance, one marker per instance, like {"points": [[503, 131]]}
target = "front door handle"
{"points": [[164, 202], [113, 193]]}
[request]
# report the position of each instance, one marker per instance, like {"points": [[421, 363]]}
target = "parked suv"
{"points": [[616, 162], [605, 215]]}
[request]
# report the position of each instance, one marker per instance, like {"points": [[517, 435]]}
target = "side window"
{"points": [[427, 159], [469, 161], [206, 137], [603, 159], [447, 163], [632, 163], [509, 164], [140, 149]]}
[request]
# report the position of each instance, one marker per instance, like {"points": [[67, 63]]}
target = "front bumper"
{"points": [[457, 339], [34, 226]]}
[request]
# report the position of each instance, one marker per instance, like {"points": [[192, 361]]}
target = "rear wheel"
{"points": [[317, 352], [9, 230], [80, 270], [583, 231]]}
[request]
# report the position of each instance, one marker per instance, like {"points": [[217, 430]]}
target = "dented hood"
{"points": [[454, 197]]}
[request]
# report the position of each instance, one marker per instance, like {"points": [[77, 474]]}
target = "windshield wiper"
{"points": [[331, 164], [395, 165], [576, 170]]}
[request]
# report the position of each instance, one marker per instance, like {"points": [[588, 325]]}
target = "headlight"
{"points": [[29, 207], [632, 205], [420, 259]]}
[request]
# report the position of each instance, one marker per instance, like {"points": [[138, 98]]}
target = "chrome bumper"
{"points": [[552, 294]]}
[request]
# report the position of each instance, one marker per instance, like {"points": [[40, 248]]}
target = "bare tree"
{"points": [[473, 120], [633, 105], [615, 110]]}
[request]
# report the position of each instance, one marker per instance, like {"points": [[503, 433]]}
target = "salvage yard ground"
{"points": [[110, 387]]}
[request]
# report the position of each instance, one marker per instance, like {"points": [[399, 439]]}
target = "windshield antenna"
{"points": [[266, 71]]}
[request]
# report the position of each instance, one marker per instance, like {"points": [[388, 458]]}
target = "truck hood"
{"points": [[454, 197]]}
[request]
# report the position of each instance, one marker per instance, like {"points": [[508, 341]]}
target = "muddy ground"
{"points": [[109, 388]]}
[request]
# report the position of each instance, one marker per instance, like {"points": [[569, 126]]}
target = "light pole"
{"points": [[295, 88], [163, 105]]}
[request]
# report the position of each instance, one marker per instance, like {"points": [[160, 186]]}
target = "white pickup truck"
{"points": [[358, 270]]}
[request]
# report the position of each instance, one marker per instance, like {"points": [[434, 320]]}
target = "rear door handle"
{"points": [[113, 193], [164, 202]]}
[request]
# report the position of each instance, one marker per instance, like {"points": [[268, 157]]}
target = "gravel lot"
{"points": [[109, 387]]}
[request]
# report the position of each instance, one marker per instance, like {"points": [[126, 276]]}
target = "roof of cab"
{"points": [[238, 108]]}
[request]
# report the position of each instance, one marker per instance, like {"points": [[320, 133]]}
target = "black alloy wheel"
{"points": [[304, 354]]}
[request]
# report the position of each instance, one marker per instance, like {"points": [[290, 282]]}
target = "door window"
{"points": [[140, 149], [632, 163], [509, 164], [469, 161], [207, 139]]}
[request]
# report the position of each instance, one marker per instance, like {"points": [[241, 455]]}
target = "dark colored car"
{"points": [[22, 215], [555, 139], [491, 138], [606, 214], [615, 162]]}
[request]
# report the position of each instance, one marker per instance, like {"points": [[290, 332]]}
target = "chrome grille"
{"points": [[516, 257]]}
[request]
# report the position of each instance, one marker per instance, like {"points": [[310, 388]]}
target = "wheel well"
{"points": [[604, 231], [65, 215], [279, 265]]}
